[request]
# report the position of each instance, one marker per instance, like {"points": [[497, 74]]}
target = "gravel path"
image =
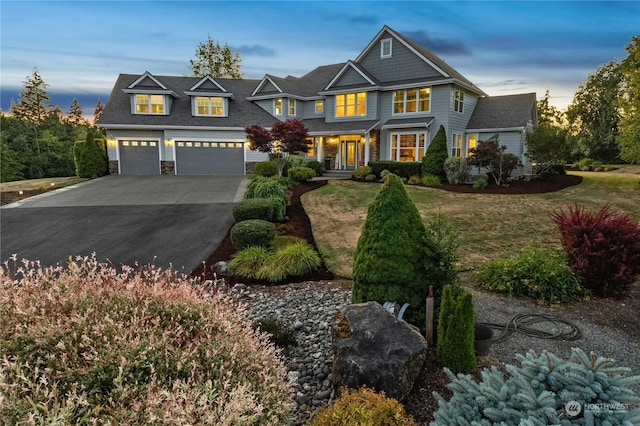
{"points": [[308, 308]]}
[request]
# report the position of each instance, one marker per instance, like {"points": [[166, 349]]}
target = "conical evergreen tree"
{"points": [[437, 153]]}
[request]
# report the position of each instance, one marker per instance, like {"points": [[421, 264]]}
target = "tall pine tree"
{"points": [[215, 60]]}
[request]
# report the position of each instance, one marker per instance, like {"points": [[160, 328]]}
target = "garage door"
{"points": [[139, 158], [209, 158]]}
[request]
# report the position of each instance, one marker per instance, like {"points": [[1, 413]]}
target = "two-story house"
{"points": [[386, 104]]}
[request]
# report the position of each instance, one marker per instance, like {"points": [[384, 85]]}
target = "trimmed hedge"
{"points": [[266, 169], [301, 174], [254, 232], [253, 208], [403, 169]]}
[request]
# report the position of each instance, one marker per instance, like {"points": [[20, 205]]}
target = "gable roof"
{"points": [[117, 111], [503, 112], [362, 78], [308, 86]]}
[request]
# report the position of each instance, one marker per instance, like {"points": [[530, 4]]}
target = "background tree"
{"points": [[33, 104], [629, 125], [215, 60], [594, 113], [74, 116], [549, 114], [97, 112]]}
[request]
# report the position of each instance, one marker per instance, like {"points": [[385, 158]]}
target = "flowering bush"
{"points": [[90, 344]]}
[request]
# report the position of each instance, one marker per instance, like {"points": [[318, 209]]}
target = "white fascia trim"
{"points": [[208, 78], [371, 43], [279, 96], [263, 82], [211, 94], [349, 64], [418, 54], [145, 75], [351, 90], [152, 127], [151, 92], [426, 125], [497, 129]]}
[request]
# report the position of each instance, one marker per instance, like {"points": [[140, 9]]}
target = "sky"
{"points": [[504, 47]]}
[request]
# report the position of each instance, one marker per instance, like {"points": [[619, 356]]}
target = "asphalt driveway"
{"points": [[164, 220]]}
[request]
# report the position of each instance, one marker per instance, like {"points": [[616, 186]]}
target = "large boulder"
{"points": [[372, 347]]}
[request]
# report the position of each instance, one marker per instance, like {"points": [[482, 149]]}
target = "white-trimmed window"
{"points": [[292, 107], [456, 145], [149, 104], [319, 106], [210, 106], [408, 146], [386, 48], [458, 100], [351, 104], [472, 142], [312, 151], [413, 100], [277, 106]]}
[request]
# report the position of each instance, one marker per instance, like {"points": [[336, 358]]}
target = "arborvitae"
{"points": [[458, 352], [390, 261], [437, 153], [541, 391], [90, 157], [446, 311]]}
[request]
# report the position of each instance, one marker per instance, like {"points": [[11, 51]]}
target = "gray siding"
{"points": [[350, 78], [330, 109]]}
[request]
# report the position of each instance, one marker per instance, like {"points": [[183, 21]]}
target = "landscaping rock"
{"points": [[222, 269], [373, 348]]}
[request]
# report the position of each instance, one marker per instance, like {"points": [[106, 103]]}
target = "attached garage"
{"points": [[209, 158], [139, 157]]}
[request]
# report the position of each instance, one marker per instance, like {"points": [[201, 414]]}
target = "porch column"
{"points": [[319, 148], [366, 148]]}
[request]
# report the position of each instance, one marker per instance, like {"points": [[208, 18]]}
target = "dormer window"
{"points": [[385, 48], [210, 106], [149, 104]]}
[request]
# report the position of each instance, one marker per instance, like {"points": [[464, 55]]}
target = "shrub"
{"points": [[538, 391], [437, 153], [404, 169], [90, 344], [490, 155], [414, 180], [90, 157], [457, 170], [295, 161], [361, 172], [456, 332], [602, 248], [540, 275], [395, 258], [363, 407], [480, 183], [253, 232], [301, 174], [266, 169], [262, 187], [253, 208], [585, 164], [431, 181], [316, 166], [247, 262], [278, 332], [284, 240], [370, 178]]}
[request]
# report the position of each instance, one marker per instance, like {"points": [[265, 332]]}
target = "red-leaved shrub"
{"points": [[603, 248]]}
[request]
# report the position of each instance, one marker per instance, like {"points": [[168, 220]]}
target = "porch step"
{"points": [[335, 174]]}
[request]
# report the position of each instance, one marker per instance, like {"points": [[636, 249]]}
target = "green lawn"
{"points": [[489, 226], [43, 184]]}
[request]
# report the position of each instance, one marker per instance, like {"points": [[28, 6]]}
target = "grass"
{"points": [[44, 184], [489, 226]]}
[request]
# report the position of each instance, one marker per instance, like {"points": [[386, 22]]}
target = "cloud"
{"points": [[363, 19], [255, 50], [444, 46]]}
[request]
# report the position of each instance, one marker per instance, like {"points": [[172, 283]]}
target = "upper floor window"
{"points": [[292, 107], [351, 104], [149, 104], [210, 106], [456, 145], [277, 106], [319, 106], [458, 100], [386, 48], [411, 100]]}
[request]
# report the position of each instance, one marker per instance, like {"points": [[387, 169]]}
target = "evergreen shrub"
{"points": [[480, 183], [362, 407], [253, 208], [541, 275], [361, 172], [602, 248], [93, 344], [404, 169], [456, 332], [585, 164], [539, 391], [316, 166], [301, 174], [266, 169], [437, 153], [253, 232], [457, 170], [262, 187], [90, 157]]}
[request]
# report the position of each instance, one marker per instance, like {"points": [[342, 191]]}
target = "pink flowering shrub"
{"points": [[93, 345]]}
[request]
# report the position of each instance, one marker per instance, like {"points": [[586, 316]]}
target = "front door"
{"points": [[350, 154]]}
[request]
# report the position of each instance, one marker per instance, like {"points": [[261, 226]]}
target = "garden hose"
{"points": [[524, 324]]}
